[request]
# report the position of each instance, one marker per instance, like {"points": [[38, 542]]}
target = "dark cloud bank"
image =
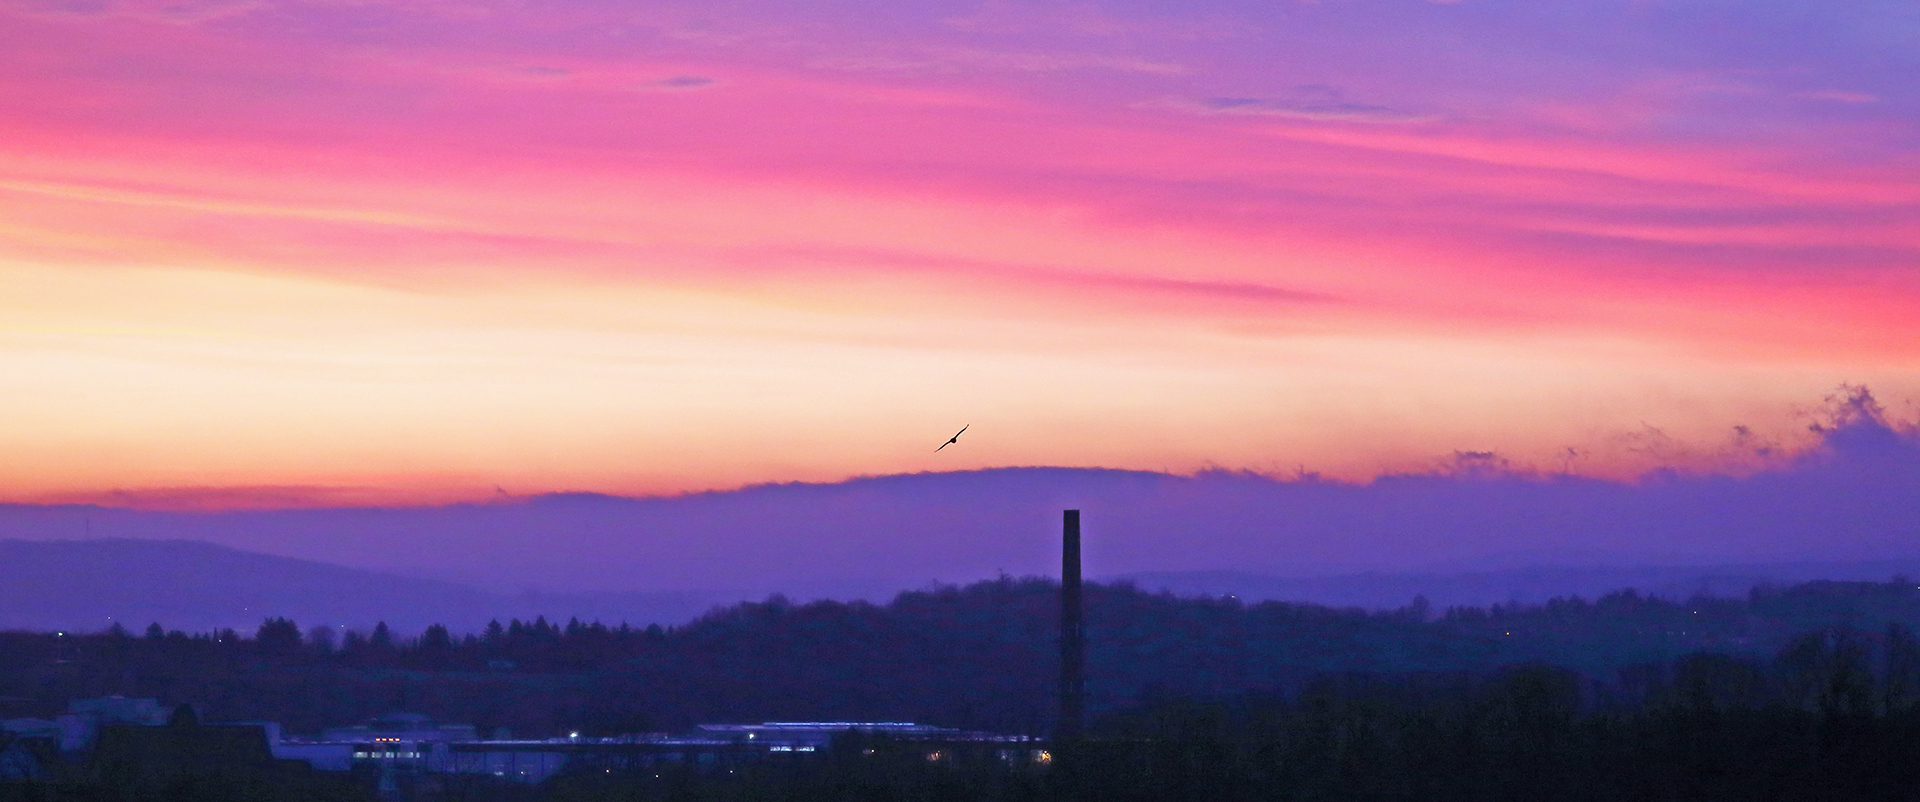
{"points": [[1847, 508]]}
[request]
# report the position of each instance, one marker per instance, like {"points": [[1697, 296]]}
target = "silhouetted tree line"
{"points": [[1832, 716], [982, 656]]}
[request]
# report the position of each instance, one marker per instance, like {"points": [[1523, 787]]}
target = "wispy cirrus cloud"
{"points": [[1313, 102], [1837, 96], [678, 83], [961, 59], [1086, 20], [171, 12]]}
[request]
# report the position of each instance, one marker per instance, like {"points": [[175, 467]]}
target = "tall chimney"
{"points": [[1073, 646]]}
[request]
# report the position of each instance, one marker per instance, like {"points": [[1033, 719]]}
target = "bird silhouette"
{"points": [[955, 438]]}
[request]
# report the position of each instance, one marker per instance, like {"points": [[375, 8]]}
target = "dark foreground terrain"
{"points": [[1808, 692]]}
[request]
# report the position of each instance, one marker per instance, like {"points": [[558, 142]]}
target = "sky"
{"points": [[336, 252]]}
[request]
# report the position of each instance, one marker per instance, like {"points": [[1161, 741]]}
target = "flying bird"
{"points": [[955, 438]]}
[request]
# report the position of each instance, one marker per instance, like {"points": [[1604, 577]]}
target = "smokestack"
{"points": [[1073, 646]]}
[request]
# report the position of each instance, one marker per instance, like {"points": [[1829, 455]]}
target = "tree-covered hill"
{"points": [[978, 656]]}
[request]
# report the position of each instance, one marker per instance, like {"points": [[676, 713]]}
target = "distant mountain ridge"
{"points": [[88, 585], [870, 537]]}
